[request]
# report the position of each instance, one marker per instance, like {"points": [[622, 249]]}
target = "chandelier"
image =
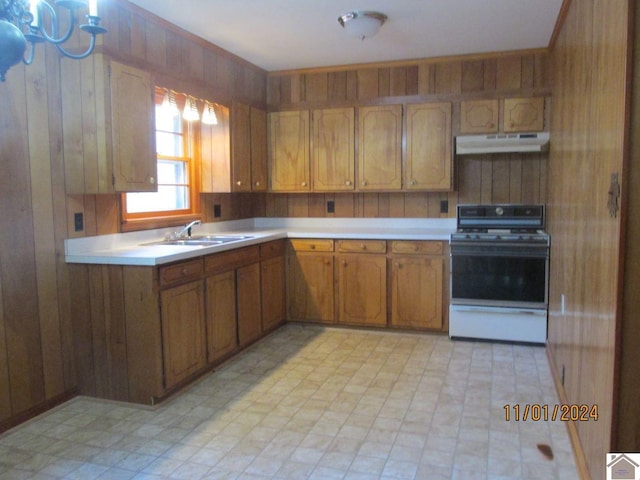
{"points": [[36, 21]]}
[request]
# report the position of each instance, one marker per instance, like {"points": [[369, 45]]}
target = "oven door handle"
{"points": [[498, 310]]}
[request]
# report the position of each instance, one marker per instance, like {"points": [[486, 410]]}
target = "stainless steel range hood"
{"points": [[502, 143]]}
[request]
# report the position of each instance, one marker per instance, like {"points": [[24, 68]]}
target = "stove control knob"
{"points": [[499, 211]]}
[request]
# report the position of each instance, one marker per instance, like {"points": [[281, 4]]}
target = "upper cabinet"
{"points": [[233, 152], [258, 150], [215, 153], [509, 115], [380, 147], [289, 151], [479, 116], [333, 154], [240, 147], [428, 164], [523, 115], [108, 127]]}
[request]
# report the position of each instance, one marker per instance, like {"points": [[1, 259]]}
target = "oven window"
{"points": [[489, 278]]}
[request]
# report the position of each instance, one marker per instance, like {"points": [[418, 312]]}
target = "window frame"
{"points": [[191, 153]]}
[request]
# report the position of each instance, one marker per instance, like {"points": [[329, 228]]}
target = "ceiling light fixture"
{"points": [[36, 21], [362, 24]]}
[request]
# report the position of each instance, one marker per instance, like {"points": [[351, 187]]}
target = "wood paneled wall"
{"points": [[480, 178], [590, 71], [37, 346]]}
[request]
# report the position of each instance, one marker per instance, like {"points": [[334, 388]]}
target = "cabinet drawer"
{"points": [[312, 245], [272, 249], [417, 247], [221, 262], [180, 272], [362, 246]]}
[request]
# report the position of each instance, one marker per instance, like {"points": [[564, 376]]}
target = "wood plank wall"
{"points": [[38, 351], [589, 64], [481, 178]]}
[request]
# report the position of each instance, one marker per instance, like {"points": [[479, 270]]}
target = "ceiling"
{"points": [[297, 34]]}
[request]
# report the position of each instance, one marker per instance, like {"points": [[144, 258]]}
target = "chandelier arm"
{"points": [[51, 38], [32, 51], [79, 56]]}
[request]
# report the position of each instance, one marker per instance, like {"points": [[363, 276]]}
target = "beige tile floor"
{"points": [[316, 403]]}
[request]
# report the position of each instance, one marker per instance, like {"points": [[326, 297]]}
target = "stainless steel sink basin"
{"points": [[202, 240]]}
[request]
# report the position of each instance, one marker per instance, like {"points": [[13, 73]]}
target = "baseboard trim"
{"points": [[39, 409], [578, 452]]}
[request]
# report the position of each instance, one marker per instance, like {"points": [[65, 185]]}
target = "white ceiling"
{"points": [[296, 34]]}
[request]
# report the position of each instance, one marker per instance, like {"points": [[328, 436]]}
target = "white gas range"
{"points": [[499, 273]]}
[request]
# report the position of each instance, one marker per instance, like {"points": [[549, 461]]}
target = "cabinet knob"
{"points": [[257, 184], [344, 263], [364, 183], [398, 265], [304, 184], [313, 247], [412, 182], [152, 180], [239, 182], [184, 272], [363, 246], [348, 183], [327, 262]]}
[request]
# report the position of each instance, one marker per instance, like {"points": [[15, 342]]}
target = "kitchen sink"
{"points": [[202, 240]]}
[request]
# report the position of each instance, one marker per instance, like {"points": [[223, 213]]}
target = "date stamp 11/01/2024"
{"points": [[537, 412]]}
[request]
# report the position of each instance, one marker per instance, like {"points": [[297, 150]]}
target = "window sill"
{"points": [[157, 222]]}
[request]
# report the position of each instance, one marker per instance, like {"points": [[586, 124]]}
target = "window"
{"points": [[177, 189]]}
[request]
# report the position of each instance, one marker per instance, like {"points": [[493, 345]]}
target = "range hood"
{"points": [[502, 143]]}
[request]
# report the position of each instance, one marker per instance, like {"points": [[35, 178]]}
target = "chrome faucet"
{"points": [[187, 229]]}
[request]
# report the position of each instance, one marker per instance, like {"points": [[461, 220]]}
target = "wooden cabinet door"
{"points": [[289, 151], [333, 156], [523, 114], [215, 154], [258, 150], [479, 116], [132, 129], [362, 289], [429, 161], [222, 331], [249, 304], [183, 331], [380, 147], [273, 292], [240, 147], [310, 287], [416, 292]]}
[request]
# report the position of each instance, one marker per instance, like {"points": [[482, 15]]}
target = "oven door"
{"points": [[499, 275]]}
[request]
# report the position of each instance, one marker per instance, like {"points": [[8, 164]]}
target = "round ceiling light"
{"points": [[362, 24]]}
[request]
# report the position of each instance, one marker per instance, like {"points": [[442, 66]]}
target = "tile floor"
{"points": [[316, 403]]}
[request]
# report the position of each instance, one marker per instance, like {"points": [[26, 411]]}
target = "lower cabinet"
{"points": [[310, 279], [362, 283], [375, 283], [249, 304], [183, 331], [222, 329], [273, 292], [417, 284]]}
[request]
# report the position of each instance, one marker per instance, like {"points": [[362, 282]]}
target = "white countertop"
{"points": [[130, 248]]}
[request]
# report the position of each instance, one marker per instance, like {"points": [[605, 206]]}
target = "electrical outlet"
{"points": [[331, 206], [217, 210], [444, 206], [78, 221]]}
